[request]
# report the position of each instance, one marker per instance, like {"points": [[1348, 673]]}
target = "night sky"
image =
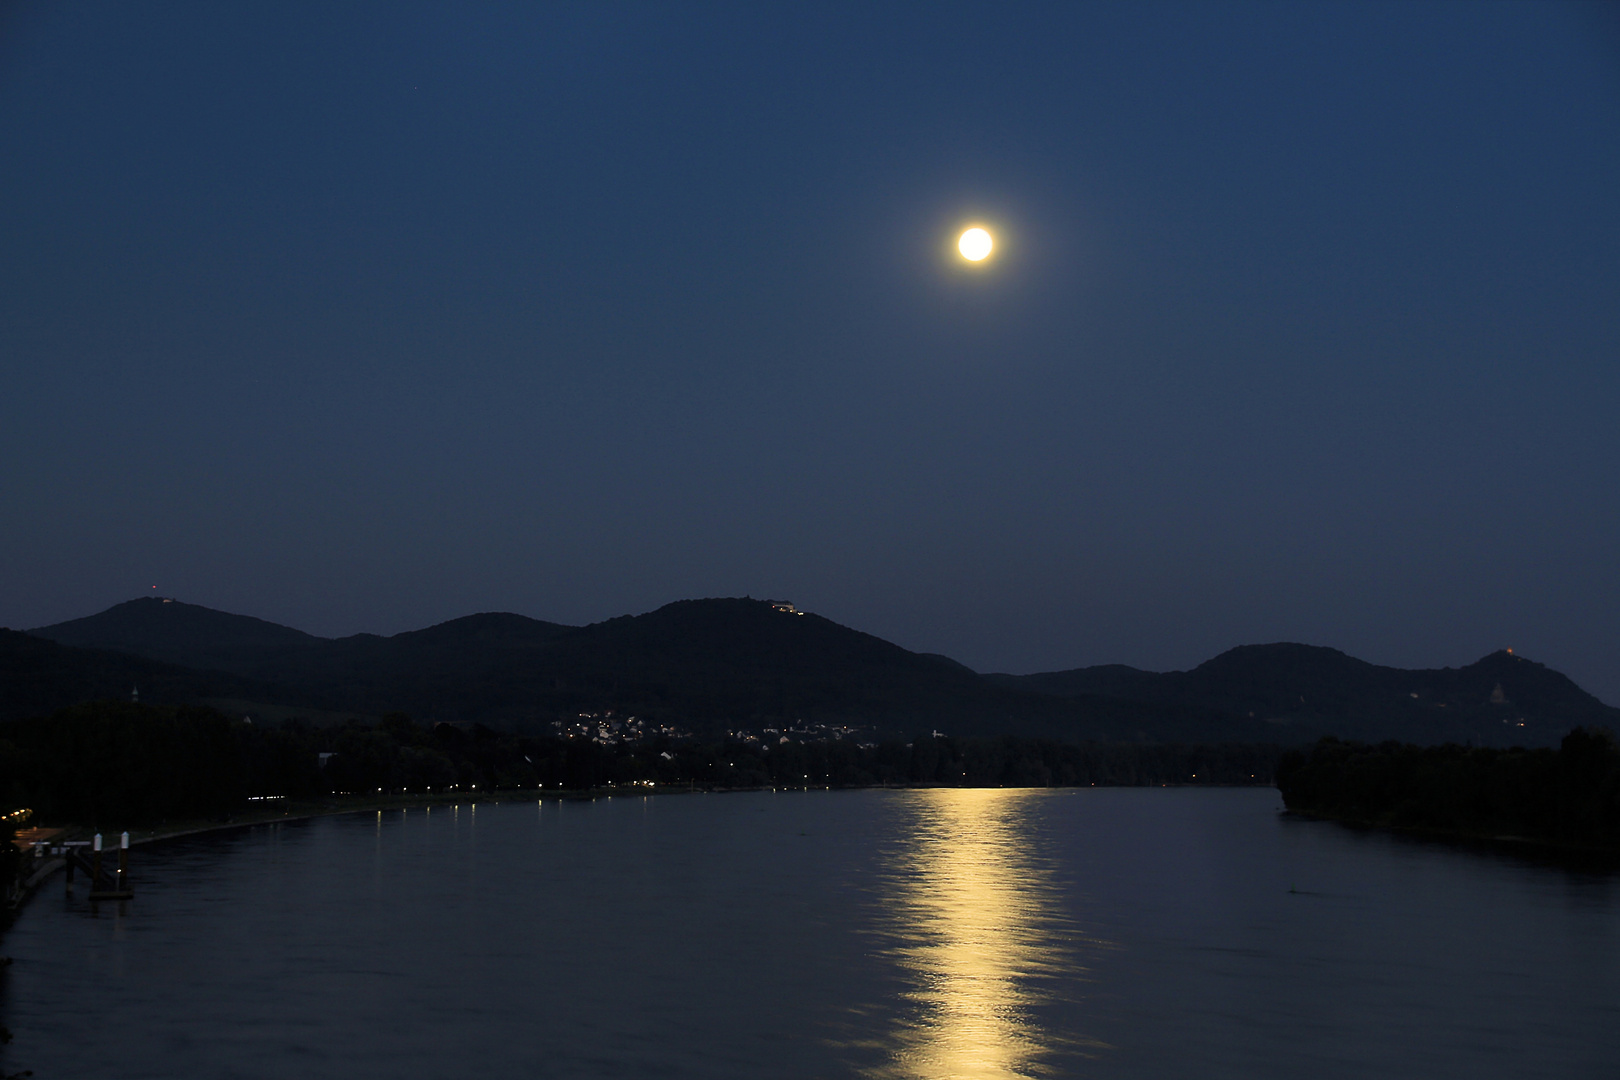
{"points": [[1304, 321]]}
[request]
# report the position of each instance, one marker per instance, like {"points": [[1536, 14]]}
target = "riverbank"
{"points": [[36, 872], [1529, 848]]}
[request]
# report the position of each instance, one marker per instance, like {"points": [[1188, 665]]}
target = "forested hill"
{"points": [[1501, 699], [713, 665], [39, 676]]}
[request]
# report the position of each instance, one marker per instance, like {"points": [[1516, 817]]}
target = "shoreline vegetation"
{"points": [[1565, 800]]}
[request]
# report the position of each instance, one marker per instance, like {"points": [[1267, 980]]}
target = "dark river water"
{"points": [[1156, 933]]}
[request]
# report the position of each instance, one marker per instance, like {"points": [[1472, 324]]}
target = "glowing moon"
{"points": [[975, 245]]}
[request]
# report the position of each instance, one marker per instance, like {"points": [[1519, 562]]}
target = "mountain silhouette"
{"points": [[701, 665], [723, 664], [1499, 699], [163, 629], [38, 676]]}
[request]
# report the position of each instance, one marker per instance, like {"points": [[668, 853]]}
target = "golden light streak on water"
{"points": [[976, 928]]}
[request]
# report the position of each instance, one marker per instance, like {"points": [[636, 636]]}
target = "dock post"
{"points": [[68, 859], [95, 874], [123, 859]]}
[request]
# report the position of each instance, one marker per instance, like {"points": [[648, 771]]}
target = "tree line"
{"points": [[115, 764], [1568, 796]]}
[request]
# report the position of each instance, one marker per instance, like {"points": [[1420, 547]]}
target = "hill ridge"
{"points": [[1287, 683], [726, 662]]}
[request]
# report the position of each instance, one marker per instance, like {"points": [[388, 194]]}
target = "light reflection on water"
{"points": [[972, 917]]}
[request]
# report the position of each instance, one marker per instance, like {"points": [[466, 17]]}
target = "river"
{"points": [[931, 934]]}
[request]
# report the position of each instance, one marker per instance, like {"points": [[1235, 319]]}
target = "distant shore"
{"points": [[334, 805], [288, 810], [1526, 847], [327, 806]]}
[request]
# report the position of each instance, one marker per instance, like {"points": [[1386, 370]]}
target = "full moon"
{"points": [[974, 245]]}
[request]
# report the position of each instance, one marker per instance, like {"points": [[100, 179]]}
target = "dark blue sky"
{"points": [[1305, 323]]}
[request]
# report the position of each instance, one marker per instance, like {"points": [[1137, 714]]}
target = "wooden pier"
{"points": [[71, 855]]}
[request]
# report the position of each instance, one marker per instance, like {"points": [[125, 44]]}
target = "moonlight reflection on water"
{"points": [[972, 916]]}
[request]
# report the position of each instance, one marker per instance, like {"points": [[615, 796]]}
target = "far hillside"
{"points": [[161, 628], [39, 676], [709, 666], [1500, 700], [705, 666]]}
